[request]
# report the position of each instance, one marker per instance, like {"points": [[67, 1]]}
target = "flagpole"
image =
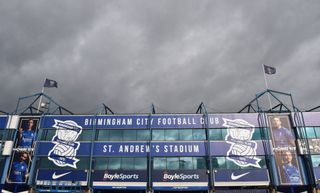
{"points": [[265, 80], [40, 99]]}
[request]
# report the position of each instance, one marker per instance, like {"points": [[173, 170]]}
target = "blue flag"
{"points": [[269, 69], [50, 83]]}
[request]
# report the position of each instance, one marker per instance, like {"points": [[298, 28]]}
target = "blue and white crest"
{"points": [[242, 151], [65, 150]]}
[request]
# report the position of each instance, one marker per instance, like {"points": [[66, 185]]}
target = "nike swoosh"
{"points": [[54, 176], [235, 177]]}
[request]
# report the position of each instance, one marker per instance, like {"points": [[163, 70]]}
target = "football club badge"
{"points": [[243, 150], [65, 150]]}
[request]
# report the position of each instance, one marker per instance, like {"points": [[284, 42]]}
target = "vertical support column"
{"points": [[208, 149], [150, 165]]}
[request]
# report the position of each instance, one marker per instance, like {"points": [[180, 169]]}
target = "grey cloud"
{"points": [[174, 54]]}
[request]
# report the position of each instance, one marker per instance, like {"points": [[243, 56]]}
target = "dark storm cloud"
{"points": [[175, 54]]}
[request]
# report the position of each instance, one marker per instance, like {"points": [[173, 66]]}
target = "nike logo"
{"points": [[235, 177], [54, 176]]}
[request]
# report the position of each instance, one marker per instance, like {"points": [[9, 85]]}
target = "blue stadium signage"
{"points": [[261, 148], [310, 119], [131, 149], [241, 177], [156, 149], [180, 176], [119, 176], [177, 180], [154, 121], [64, 177]]}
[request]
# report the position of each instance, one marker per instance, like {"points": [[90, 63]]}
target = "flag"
{"points": [[50, 83], [269, 69]]}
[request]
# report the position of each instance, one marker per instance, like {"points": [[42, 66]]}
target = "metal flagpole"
{"points": [[265, 80], [40, 99]]}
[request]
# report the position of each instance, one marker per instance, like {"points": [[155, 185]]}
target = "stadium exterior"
{"points": [[257, 151]]}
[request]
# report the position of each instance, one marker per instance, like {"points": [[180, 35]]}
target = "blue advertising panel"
{"points": [[120, 179], [142, 149], [125, 149], [3, 122], [243, 191], [130, 121], [47, 149], [180, 180], [221, 148], [157, 121], [68, 177], [309, 119], [241, 177], [245, 120]]}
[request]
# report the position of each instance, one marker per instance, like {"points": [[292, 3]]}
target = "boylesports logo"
{"points": [[181, 176], [65, 150], [242, 151], [120, 176]]}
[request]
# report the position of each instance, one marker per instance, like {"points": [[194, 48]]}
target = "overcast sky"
{"points": [[174, 54]]}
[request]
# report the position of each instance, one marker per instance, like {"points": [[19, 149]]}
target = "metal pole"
{"points": [[265, 80], [40, 100]]}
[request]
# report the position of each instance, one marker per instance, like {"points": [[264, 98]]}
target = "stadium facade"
{"points": [[258, 151]]}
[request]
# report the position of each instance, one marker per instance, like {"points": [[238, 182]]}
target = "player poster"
{"points": [[284, 147], [18, 173]]}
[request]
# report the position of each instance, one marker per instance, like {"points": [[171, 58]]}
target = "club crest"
{"points": [[65, 149], [242, 151]]}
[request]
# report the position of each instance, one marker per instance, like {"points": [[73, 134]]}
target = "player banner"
{"points": [[241, 177], [285, 151], [18, 173]]}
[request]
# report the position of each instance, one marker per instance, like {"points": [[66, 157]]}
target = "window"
{"points": [[121, 163], [116, 135], [185, 134], [101, 164], [129, 135], [127, 163], [317, 131], [315, 160], [114, 163], [199, 134], [103, 135], [179, 163], [171, 135], [158, 135], [185, 163], [179, 135], [172, 163], [7, 134], [140, 163], [160, 163], [215, 134], [143, 135], [86, 135]]}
